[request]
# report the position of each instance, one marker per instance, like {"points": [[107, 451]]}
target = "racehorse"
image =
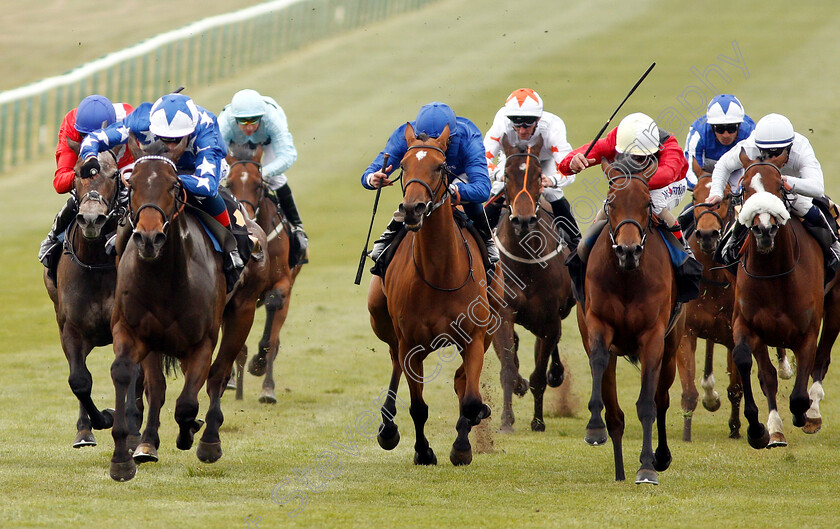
{"points": [[709, 316], [245, 182], [169, 305], [83, 294], [779, 301], [434, 294], [628, 310], [538, 288]]}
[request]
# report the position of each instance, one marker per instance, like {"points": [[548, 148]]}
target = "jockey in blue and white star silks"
{"points": [[169, 120]]}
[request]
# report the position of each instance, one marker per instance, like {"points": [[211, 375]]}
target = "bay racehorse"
{"points": [[169, 307], [245, 182], [628, 310], [538, 288], [779, 301], [83, 294], [434, 295]]}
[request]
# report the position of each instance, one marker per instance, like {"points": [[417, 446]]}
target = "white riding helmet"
{"points": [[524, 102], [247, 104], [637, 134], [173, 116], [772, 131], [724, 109]]}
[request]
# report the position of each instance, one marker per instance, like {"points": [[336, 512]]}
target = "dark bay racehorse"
{"points": [[779, 301], [170, 304], [538, 289], [434, 295], [83, 294], [630, 294], [246, 183]]}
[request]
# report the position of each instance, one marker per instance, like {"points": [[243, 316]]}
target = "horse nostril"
{"points": [[637, 250], [137, 237], [159, 239], [420, 208], [619, 251]]}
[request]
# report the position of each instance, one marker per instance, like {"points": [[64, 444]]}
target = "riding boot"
{"points": [[686, 220], [729, 248], [564, 221], [818, 226], [385, 239], [483, 226], [232, 265], [287, 204], [493, 210], [62, 220]]}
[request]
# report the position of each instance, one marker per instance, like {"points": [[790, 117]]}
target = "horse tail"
{"points": [[170, 366], [633, 359]]}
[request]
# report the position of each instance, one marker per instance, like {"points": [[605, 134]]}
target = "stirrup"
{"points": [[235, 260]]}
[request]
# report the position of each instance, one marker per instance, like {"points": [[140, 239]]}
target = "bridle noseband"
{"points": [[113, 206], [529, 156], [614, 231], [444, 172], [179, 202]]}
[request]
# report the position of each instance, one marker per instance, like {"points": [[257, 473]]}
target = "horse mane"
{"points": [[242, 151], [624, 163], [423, 136]]}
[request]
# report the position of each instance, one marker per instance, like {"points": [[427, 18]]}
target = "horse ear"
{"points": [[745, 160], [606, 166], [74, 145], [175, 153], [537, 146], [506, 146], [258, 153], [443, 139], [410, 136], [134, 147]]}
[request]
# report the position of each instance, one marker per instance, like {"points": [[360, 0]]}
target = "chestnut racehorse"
{"points": [[630, 295], [245, 182], [83, 294], [779, 301], [538, 289], [434, 295], [170, 304]]}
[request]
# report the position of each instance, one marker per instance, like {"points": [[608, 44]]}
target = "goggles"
{"points": [[249, 121], [730, 128]]}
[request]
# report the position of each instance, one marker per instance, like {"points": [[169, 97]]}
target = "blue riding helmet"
{"points": [[433, 118], [94, 112]]}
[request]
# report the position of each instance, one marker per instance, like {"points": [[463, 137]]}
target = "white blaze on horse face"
{"points": [[420, 155], [244, 177], [522, 166], [757, 184]]}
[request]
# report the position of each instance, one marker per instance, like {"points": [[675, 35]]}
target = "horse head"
{"points": [[764, 210], [244, 178], [157, 196], [709, 222], [98, 195], [423, 165], [523, 186], [628, 208]]}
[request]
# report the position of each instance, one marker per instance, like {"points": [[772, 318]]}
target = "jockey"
{"points": [[522, 120], [639, 137], [465, 158], [93, 113], [259, 120], [172, 119], [801, 173], [714, 134]]}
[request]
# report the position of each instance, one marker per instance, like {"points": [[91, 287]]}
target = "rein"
{"points": [[469, 273], [528, 156], [642, 231]]}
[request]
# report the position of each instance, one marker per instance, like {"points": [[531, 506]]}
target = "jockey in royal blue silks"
{"points": [[170, 119], [465, 158]]}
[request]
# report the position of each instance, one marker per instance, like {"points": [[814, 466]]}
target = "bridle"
{"points": [[528, 156], [614, 231], [180, 198], [113, 206], [262, 186], [444, 172]]}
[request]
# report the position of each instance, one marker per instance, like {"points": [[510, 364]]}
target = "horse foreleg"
{"points": [[651, 354], [419, 410], [785, 369], [687, 368], [76, 350], [123, 467], [267, 396], [770, 386], [711, 398], [662, 456], [599, 359], [822, 358], [542, 353], [389, 435], [196, 366], [503, 344], [735, 392], [155, 386], [472, 409], [745, 343], [614, 416], [132, 410], [800, 401]]}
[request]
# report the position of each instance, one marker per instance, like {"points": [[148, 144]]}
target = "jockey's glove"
{"points": [[90, 168]]}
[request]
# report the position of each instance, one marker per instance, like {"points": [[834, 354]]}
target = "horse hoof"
{"points": [[483, 413], [257, 365], [785, 370], [123, 471], [760, 440], [267, 397], [145, 453], [460, 457], [84, 438], [647, 477], [231, 383], [712, 404], [537, 425], [209, 452], [556, 375], [735, 434], [661, 460], [427, 458], [506, 428], [596, 436], [107, 418], [391, 442], [132, 441], [811, 425], [521, 387], [185, 439], [777, 440]]}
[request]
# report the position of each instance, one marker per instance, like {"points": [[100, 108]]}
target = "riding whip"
{"points": [[635, 86], [367, 241]]}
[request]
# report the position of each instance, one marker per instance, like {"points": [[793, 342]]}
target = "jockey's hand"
{"points": [[454, 194], [380, 178], [786, 183], [714, 200], [90, 168], [546, 182], [579, 162]]}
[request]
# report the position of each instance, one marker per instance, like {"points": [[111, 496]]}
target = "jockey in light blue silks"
{"points": [[171, 119]]}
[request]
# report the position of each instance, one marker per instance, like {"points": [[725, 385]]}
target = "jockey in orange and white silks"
{"points": [[801, 173], [522, 121]]}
